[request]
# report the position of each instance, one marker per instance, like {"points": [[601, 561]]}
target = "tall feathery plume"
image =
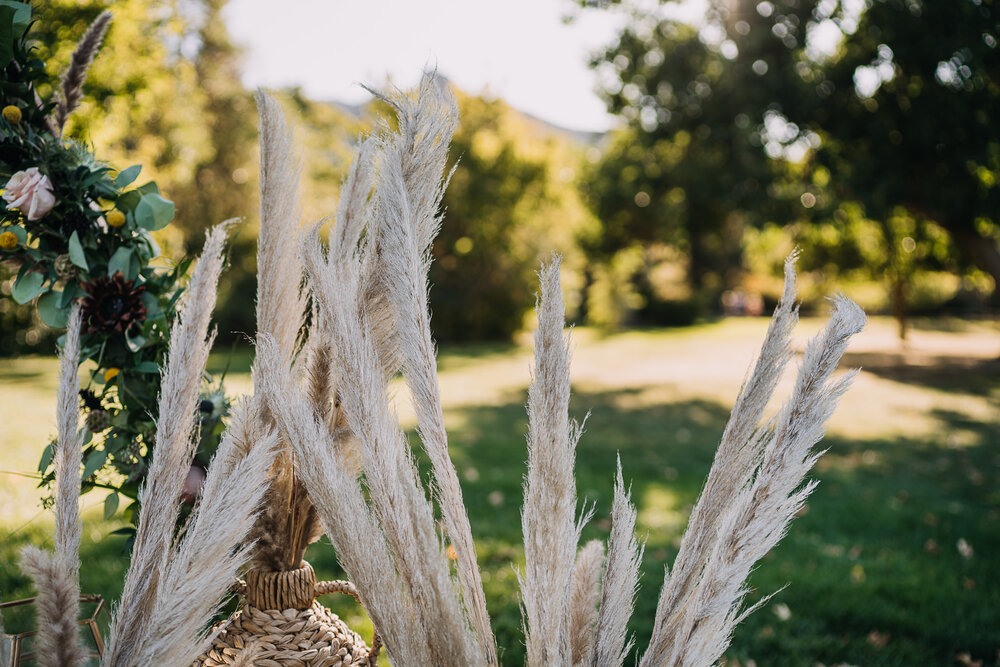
{"points": [[584, 601], [76, 74], [212, 550], [288, 522], [402, 507], [735, 461], [621, 577], [547, 518], [761, 512], [190, 344], [348, 519], [409, 188], [57, 575]]}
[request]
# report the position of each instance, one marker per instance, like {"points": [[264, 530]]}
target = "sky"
{"points": [[519, 50]]}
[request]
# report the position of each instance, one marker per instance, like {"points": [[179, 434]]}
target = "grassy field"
{"points": [[895, 561]]}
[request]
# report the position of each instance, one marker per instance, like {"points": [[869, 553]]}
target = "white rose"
{"points": [[30, 191]]}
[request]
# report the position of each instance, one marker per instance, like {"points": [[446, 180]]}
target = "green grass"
{"points": [[875, 574]]}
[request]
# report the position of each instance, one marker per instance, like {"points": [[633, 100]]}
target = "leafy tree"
{"points": [[510, 203], [782, 110], [907, 110]]}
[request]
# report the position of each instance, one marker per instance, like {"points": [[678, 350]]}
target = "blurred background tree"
{"points": [[859, 132], [782, 114]]}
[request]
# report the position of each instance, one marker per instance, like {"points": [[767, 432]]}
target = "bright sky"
{"points": [[519, 50]]}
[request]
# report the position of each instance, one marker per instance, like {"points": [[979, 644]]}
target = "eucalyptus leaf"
{"points": [[22, 13], [153, 310], [76, 254], [20, 232], [153, 212], [126, 176], [124, 260], [94, 461], [70, 292], [52, 313], [129, 200], [110, 505], [6, 35], [28, 286], [134, 343], [147, 367], [47, 455]]}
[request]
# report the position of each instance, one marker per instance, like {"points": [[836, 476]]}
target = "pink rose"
{"points": [[31, 192]]}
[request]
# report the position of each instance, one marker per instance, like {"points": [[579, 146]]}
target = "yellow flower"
{"points": [[115, 218], [451, 553], [8, 240], [110, 375], [12, 114]]}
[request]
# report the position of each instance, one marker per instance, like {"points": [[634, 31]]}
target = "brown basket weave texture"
{"points": [[283, 625]]}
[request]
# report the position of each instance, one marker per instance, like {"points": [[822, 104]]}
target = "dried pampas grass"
{"points": [[57, 575], [76, 74], [584, 601], [551, 532], [172, 589]]}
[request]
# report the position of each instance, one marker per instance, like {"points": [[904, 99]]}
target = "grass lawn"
{"points": [[893, 563]]}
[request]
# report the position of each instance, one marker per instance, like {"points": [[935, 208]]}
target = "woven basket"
{"points": [[282, 621]]}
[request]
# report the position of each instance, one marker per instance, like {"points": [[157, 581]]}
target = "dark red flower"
{"points": [[112, 304]]}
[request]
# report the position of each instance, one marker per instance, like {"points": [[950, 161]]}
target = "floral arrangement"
{"points": [[76, 230]]}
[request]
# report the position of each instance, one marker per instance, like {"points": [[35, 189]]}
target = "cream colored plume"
{"points": [[57, 575], [551, 533]]}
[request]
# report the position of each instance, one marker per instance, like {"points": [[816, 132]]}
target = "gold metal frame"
{"points": [[14, 643]]}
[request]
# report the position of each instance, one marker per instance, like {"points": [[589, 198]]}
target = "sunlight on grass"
{"points": [[910, 475]]}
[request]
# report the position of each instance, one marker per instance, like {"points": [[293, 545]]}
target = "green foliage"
{"points": [[510, 203], [747, 121], [91, 242]]}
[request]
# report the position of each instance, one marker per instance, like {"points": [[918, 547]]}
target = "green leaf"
{"points": [[153, 311], [110, 505], [126, 176], [95, 460], [124, 260], [22, 13], [150, 188], [51, 311], [70, 292], [153, 212], [20, 232], [128, 201], [134, 343], [147, 367], [7, 36], [47, 455], [28, 286], [76, 254]]}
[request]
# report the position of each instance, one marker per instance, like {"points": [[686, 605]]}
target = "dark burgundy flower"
{"points": [[112, 304]]}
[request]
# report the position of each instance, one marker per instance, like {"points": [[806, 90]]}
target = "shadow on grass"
{"points": [[876, 571], [954, 374]]}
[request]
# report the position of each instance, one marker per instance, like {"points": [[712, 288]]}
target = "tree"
{"points": [[690, 168], [907, 110]]}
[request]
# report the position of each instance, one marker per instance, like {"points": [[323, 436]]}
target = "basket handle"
{"points": [[347, 588]]}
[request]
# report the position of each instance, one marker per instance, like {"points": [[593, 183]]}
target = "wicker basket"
{"points": [[282, 621]]}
